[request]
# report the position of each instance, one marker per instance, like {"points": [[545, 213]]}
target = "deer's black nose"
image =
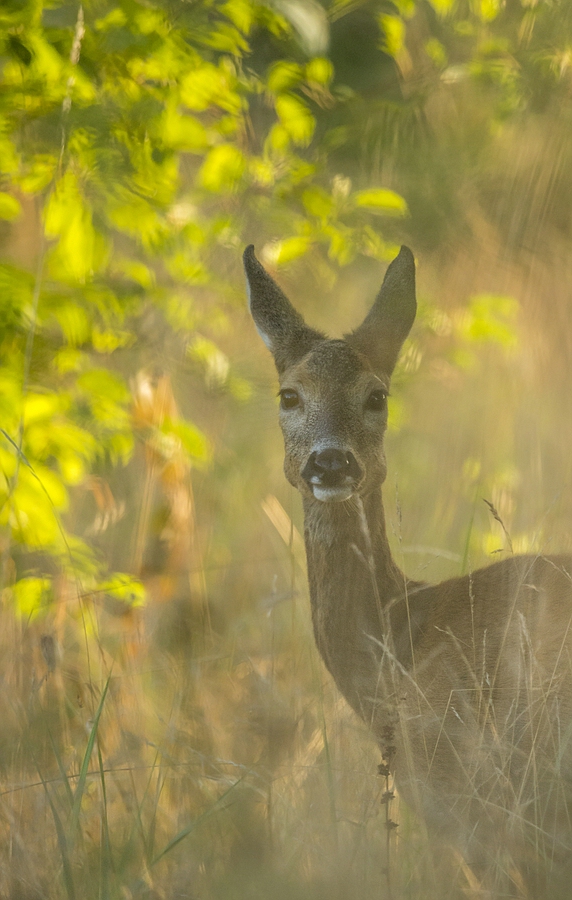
{"points": [[331, 467]]}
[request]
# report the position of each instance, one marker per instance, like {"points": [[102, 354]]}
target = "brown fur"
{"points": [[473, 676]]}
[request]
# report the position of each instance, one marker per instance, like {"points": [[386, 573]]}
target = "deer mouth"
{"points": [[332, 495], [332, 475]]}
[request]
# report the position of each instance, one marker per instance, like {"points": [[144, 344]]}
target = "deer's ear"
{"points": [[282, 329], [389, 321]]}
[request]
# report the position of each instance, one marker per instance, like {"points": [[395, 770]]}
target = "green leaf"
{"points": [[38, 173], [109, 340], [67, 217], [319, 71], [442, 7], [195, 444], [394, 30], [382, 201], [31, 597], [240, 12], [182, 131], [74, 322], [222, 169], [210, 85], [284, 75], [10, 208], [317, 202], [290, 249], [124, 588], [490, 318], [296, 119], [40, 407], [489, 9]]}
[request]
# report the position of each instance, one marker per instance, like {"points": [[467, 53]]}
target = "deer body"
{"points": [[470, 678]]}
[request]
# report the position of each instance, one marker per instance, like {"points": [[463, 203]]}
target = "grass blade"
{"points": [[194, 824], [63, 844], [78, 795]]}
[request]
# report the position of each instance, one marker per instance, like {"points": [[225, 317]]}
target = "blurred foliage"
{"points": [[142, 146]]}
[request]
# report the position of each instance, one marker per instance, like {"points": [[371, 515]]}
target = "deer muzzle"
{"points": [[332, 474]]}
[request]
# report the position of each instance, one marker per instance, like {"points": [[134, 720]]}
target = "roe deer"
{"points": [[470, 679]]}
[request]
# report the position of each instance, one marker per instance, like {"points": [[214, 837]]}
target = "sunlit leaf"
{"points": [[489, 9], [341, 247], [137, 218], [9, 207], [394, 30], [68, 218], [284, 75], [74, 322], [489, 319], [125, 588], [240, 12], [38, 173], [295, 118], [382, 201], [317, 202], [182, 131], [193, 441], [222, 168], [207, 86], [31, 597], [290, 249], [108, 341], [215, 362], [135, 270], [319, 70], [38, 407], [442, 7]]}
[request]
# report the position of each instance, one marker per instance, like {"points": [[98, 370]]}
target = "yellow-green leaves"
{"points": [[394, 30], [442, 7], [31, 597], [290, 249], [317, 202], [319, 71], [210, 85], [296, 119], [489, 9], [182, 131], [239, 12], [124, 588], [222, 168], [382, 201], [106, 394], [284, 75], [9, 207], [188, 438], [79, 250], [490, 318]]}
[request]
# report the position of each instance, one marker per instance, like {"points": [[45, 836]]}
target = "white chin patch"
{"points": [[332, 495]]}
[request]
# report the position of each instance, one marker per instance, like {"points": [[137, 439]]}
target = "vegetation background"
{"points": [[168, 730]]}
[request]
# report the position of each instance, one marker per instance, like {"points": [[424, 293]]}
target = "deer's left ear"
{"points": [[389, 321], [282, 329]]}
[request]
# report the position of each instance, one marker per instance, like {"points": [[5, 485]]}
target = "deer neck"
{"points": [[354, 586]]}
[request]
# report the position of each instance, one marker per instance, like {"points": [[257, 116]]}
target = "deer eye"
{"points": [[289, 399], [376, 401]]}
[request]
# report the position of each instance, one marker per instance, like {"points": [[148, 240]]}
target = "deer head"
{"points": [[333, 393]]}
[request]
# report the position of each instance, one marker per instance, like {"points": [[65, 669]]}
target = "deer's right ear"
{"points": [[282, 329]]}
